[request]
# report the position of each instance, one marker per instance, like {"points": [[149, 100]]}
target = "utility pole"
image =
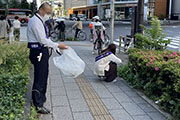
{"points": [[140, 16], [170, 8], [139, 19], [112, 21]]}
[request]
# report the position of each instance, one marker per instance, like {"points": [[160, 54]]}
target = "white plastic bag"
{"points": [[69, 63]]}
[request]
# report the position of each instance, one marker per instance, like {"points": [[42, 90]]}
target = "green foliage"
{"points": [[14, 4], [153, 38], [71, 39], [157, 74], [14, 77], [2, 5], [25, 4], [33, 115], [65, 13]]}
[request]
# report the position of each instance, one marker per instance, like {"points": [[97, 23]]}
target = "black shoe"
{"points": [[42, 110]]}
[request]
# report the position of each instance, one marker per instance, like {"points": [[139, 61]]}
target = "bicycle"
{"points": [[54, 35], [71, 33], [128, 41], [106, 39], [98, 43]]}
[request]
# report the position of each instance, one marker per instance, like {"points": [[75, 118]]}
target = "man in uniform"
{"points": [[38, 42]]}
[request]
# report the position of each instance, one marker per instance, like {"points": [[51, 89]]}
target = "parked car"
{"points": [[73, 17], [82, 17]]}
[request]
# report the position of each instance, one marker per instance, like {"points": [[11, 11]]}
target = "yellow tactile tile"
{"points": [[96, 106]]}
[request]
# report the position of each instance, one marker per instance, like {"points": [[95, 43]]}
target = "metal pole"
{"points": [[170, 8], [140, 16], [112, 21], [179, 43]]}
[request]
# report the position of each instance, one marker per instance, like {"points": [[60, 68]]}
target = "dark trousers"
{"points": [[77, 30], [41, 69], [112, 73]]}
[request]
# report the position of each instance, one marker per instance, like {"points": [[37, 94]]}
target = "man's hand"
{"points": [[62, 46]]}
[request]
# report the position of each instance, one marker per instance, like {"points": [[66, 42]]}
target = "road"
{"points": [[172, 32]]}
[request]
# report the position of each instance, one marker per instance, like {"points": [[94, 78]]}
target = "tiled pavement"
{"points": [[88, 98]]}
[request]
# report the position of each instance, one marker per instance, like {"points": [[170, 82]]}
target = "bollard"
{"points": [[120, 38]]}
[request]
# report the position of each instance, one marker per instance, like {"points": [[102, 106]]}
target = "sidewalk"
{"points": [[88, 98]]}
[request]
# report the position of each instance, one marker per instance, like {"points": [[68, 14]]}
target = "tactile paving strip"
{"points": [[96, 106]]}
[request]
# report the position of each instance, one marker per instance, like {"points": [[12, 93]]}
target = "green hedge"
{"points": [[157, 73], [14, 77]]}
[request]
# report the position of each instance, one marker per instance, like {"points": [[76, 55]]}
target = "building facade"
{"points": [[57, 6], [175, 9], [123, 9]]}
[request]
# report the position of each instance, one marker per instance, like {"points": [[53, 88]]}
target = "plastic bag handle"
{"points": [[58, 52]]}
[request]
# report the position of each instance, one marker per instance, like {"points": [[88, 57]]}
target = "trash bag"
{"points": [[69, 63]]}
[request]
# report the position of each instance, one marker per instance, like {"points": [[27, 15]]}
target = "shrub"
{"points": [[157, 73], [153, 38], [14, 77]]}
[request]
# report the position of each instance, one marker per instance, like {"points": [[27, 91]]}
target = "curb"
{"points": [[143, 96], [27, 105], [149, 101]]}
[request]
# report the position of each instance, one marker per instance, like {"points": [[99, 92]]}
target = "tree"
{"points": [[2, 5], [25, 4], [14, 4]]}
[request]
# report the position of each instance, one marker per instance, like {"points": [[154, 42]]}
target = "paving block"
{"points": [[144, 117], [104, 93], [71, 86], [82, 116], [76, 94], [59, 101], [112, 87], [147, 107], [58, 91], [133, 109], [79, 105], [120, 115], [56, 83], [131, 93], [156, 116], [111, 104], [138, 100], [122, 97], [62, 113], [68, 80], [47, 117], [98, 85]]}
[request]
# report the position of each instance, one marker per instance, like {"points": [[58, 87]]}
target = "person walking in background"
{"points": [[4, 26], [78, 26], [10, 25], [38, 42], [16, 25], [61, 27], [106, 64], [91, 25]]}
